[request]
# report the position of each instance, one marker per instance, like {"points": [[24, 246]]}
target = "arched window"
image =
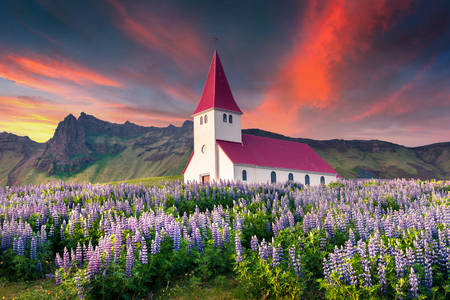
{"points": [[230, 119], [306, 179], [206, 119], [244, 175], [322, 180], [201, 120], [225, 118], [291, 177], [273, 177]]}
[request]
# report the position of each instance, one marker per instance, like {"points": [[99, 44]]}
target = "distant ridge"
{"points": [[88, 149]]}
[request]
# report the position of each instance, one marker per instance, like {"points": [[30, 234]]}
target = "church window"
{"points": [[201, 120], [225, 118], [230, 119], [244, 175], [291, 177], [306, 179], [322, 180], [206, 119], [273, 177]]}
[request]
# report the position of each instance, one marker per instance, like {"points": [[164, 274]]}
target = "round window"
{"points": [[203, 148]]}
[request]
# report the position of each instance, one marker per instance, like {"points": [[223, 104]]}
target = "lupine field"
{"points": [[353, 239]]}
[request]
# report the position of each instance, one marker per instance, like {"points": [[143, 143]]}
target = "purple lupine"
{"points": [[323, 243], [413, 283], [57, 278], [399, 263], [326, 270], [275, 257], [262, 251], [94, 264], [226, 234], [381, 273], [295, 261], [351, 237], [215, 235], [33, 247], [367, 281], [79, 255], [79, 286], [254, 243], [428, 281], [66, 260], [442, 253], [143, 254], [129, 262], [351, 277], [177, 237], [21, 246], [198, 239], [238, 247]]}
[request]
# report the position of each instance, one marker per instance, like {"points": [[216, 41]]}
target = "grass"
{"points": [[221, 287], [39, 289], [148, 181]]}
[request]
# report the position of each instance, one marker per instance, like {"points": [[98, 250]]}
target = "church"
{"points": [[222, 152]]}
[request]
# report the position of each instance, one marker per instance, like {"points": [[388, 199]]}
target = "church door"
{"points": [[205, 179]]}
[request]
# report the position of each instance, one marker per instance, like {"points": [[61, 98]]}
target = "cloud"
{"points": [[33, 70], [169, 35], [329, 36]]}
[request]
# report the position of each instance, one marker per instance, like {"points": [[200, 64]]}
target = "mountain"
{"points": [[91, 150], [378, 159]]}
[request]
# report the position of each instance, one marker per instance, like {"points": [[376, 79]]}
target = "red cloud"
{"points": [[329, 35]]}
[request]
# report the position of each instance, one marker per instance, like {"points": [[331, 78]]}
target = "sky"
{"points": [[314, 69]]}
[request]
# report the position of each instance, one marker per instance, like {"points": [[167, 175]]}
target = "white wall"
{"points": [[206, 134], [226, 131], [262, 175], [226, 168], [203, 163]]}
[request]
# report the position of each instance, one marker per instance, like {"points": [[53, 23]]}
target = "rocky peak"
{"points": [[66, 148]]}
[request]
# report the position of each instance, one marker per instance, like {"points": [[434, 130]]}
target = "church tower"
{"points": [[217, 117]]}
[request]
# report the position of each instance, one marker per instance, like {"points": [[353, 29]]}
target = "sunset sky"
{"points": [[312, 69]]}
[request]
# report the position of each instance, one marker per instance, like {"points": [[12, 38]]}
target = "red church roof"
{"points": [[268, 152], [216, 92]]}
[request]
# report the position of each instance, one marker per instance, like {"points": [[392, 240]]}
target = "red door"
{"points": [[205, 179]]}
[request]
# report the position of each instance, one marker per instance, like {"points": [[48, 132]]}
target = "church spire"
{"points": [[216, 92]]}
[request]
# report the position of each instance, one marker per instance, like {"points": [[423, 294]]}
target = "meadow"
{"points": [[353, 239]]}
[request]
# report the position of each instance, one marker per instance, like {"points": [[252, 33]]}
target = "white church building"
{"points": [[222, 152]]}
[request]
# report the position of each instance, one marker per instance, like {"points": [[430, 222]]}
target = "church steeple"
{"points": [[216, 92]]}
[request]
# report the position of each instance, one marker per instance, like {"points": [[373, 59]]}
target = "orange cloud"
{"points": [[37, 72], [328, 35], [169, 36]]}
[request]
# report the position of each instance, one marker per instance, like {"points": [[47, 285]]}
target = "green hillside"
{"points": [[91, 150]]}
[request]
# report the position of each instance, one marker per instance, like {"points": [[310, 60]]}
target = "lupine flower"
{"points": [[381, 273], [428, 282], [129, 261], [143, 255], [263, 252], [413, 283], [66, 260], [57, 278], [238, 247], [275, 257], [198, 240], [254, 243], [33, 247]]}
